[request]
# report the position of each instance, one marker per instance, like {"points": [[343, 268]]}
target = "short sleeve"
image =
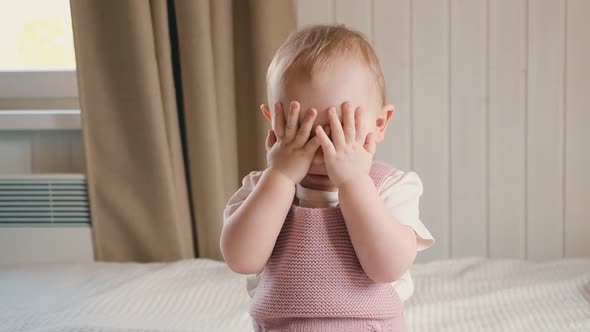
{"points": [[248, 184], [401, 195]]}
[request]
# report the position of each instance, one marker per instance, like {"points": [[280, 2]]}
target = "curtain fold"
{"points": [[169, 94]]}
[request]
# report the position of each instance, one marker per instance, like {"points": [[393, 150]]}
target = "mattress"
{"points": [[467, 294]]}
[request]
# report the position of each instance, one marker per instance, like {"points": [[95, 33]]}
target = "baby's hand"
{"points": [[351, 153], [289, 149]]}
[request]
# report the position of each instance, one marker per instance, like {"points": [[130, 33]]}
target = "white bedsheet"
{"points": [[469, 294]]}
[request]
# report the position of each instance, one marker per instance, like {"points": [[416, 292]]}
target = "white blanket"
{"points": [[469, 294]]}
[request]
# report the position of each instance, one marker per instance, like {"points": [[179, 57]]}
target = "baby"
{"points": [[326, 234]]}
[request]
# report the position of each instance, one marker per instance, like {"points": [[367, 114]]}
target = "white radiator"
{"points": [[44, 199], [44, 218]]}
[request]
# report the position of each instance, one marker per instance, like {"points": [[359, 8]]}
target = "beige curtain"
{"points": [[169, 93]]}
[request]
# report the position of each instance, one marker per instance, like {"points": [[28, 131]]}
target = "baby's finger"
{"points": [[336, 127], [325, 142], [328, 131], [271, 139], [360, 130], [305, 128], [348, 120], [279, 120], [292, 120], [371, 144], [313, 144]]}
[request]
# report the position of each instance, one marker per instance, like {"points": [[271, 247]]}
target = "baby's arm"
{"points": [[385, 248], [249, 235]]}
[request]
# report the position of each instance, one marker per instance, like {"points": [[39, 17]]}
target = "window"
{"points": [[36, 35], [37, 62]]}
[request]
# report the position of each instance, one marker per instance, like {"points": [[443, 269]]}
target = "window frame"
{"points": [[36, 94], [38, 84]]}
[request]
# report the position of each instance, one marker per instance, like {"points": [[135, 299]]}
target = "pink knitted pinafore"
{"points": [[314, 271]]}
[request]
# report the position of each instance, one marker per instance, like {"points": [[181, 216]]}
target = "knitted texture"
{"points": [[313, 270], [396, 324]]}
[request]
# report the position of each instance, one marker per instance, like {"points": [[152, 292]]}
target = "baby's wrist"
{"points": [[279, 176], [355, 182]]}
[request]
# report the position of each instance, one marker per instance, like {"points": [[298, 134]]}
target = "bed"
{"points": [[467, 294]]}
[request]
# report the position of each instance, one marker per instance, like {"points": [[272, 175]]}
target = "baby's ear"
{"points": [[382, 121], [265, 111]]}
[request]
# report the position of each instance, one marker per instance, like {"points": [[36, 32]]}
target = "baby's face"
{"points": [[343, 79]]}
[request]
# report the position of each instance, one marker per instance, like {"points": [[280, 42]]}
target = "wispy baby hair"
{"points": [[312, 46]]}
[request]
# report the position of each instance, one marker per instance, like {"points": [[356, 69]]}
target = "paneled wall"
{"points": [[33, 152], [492, 112]]}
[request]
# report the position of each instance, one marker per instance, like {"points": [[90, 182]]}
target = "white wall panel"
{"points": [[25, 152], [15, 153], [430, 126], [315, 12], [577, 152], [492, 112], [506, 127], [391, 40], [355, 14], [545, 136], [468, 114]]}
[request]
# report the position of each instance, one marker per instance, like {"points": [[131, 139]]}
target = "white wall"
{"points": [[29, 244], [33, 152], [492, 112], [39, 128]]}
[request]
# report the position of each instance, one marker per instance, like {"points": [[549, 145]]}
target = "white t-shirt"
{"points": [[400, 193]]}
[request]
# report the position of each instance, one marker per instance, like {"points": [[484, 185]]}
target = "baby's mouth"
{"points": [[317, 177]]}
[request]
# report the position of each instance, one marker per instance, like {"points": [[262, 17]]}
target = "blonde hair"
{"points": [[312, 46]]}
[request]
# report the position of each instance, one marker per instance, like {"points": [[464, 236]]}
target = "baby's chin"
{"points": [[318, 182]]}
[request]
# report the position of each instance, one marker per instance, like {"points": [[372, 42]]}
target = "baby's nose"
{"points": [[318, 157]]}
